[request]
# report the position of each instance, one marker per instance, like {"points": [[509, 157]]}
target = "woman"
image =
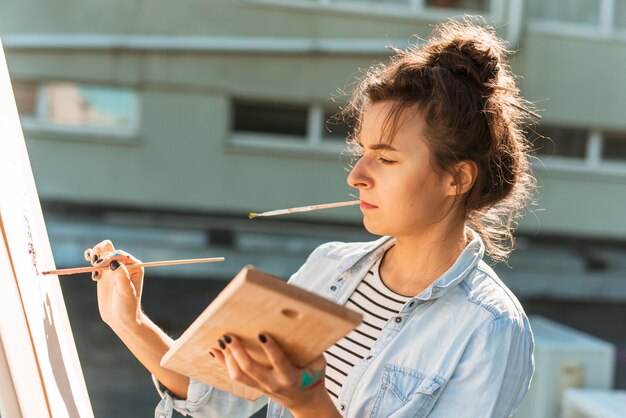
{"points": [[442, 174]]}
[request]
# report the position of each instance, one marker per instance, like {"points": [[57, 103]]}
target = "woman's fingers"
{"points": [[93, 255], [120, 256], [305, 378], [279, 361], [217, 355], [106, 258], [136, 273], [282, 382], [124, 287], [235, 371], [255, 370], [105, 246], [104, 249], [123, 257]]}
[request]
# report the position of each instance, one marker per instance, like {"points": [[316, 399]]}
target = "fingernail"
{"points": [[212, 355], [115, 254], [227, 339], [95, 258], [98, 261], [94, 276], [114, 265], [221, 344], [262, 338]]}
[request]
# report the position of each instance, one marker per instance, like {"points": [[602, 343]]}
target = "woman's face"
{"points": [[401, 193]]}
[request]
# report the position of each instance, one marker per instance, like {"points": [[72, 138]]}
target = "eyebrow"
{"points": [[379, 146]]}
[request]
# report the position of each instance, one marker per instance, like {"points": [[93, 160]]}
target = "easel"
{"points": [[40, 374]]}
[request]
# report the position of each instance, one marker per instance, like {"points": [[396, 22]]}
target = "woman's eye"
{"points": [[385, 161]]}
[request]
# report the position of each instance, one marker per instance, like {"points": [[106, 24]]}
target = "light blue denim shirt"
{"points": [[461, 348]]}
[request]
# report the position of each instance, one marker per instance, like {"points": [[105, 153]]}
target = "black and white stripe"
{"points": [[377, 303]]}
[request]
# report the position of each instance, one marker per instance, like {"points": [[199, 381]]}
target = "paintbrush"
{"points": [[149, 264], [253, 215]]}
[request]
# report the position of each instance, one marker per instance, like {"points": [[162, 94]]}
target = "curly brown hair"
{"points": [[460, 84]]}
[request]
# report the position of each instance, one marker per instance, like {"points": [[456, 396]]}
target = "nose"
{"points": [[359, 177]]}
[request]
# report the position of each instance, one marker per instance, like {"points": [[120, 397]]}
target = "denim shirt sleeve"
{"points": [[205, 401], [493, 374]]}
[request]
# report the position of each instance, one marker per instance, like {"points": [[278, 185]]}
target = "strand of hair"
{"points": [[494, 86], [523, 109], [396, 50], [514, 91]]}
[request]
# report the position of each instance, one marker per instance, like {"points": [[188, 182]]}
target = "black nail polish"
{"points": [[221, 344], [95, 258], [114, 265], [98, 261], [227, 339], [212, 355], [262, 338]]}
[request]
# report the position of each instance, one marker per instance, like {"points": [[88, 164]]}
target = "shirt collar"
{"points": [[464, 264]]}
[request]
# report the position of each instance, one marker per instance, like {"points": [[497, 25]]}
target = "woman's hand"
{"points": [[119, 287], [119, 302], [301, 390]]}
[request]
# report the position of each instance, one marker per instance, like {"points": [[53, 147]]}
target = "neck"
{"points": [[416, 261]]}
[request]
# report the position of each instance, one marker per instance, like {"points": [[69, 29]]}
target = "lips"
{"points": [[366, 205]]}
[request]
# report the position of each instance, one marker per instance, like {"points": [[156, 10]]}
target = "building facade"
{"points": [[161, 125]]}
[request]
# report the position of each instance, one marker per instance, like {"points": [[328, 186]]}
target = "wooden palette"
{"points": [[303, 323]]}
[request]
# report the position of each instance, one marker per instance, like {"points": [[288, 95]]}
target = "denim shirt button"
{"points": [[342, 407], [411, 304], [333, 288], [398, 319]]}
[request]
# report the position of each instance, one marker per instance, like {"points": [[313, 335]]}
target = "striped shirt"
{"points": [[377, 303]]}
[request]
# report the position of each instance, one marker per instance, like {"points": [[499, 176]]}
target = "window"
{"points": [[80, 108], [401, 2], [426, 8], [578, 17], [286, 125], [279, 119], [577, 148], [614, 147], [474, 5], [585, 12], [561, 142], [71, 104]]}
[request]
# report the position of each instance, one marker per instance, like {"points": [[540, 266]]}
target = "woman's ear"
{"points": [[463, 177]]}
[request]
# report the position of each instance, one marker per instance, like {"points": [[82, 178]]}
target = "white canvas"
{"points": [[29, 250], [21, 389]]}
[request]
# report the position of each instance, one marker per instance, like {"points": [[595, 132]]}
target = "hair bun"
{"points": [[467, 50]]}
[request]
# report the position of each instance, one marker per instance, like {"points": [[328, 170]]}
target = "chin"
{"points": [[376, 229]]}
